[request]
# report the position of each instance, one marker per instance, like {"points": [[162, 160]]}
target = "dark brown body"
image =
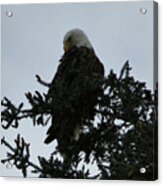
{"points": [[73, 93]]}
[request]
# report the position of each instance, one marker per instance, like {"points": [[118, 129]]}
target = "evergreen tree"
{"points": [[121, 140]]}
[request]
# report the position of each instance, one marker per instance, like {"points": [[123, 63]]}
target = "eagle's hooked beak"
{"points": [[66, 46]]}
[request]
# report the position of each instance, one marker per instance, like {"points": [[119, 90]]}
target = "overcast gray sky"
{"points": [[32, 44]]}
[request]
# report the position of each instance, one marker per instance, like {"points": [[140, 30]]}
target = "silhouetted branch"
{"points": [[19, 155], [41, 81], [38, 112]]}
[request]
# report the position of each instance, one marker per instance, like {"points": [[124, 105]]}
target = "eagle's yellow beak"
{"points": [[66, 46]]}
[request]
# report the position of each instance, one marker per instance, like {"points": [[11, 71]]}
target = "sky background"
{"points": [[31, 43]]}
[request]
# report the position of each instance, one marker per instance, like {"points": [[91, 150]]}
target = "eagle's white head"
{"points": [[76, 38]]}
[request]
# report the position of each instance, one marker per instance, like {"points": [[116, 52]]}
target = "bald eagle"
{"points": [[74, 90]]}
